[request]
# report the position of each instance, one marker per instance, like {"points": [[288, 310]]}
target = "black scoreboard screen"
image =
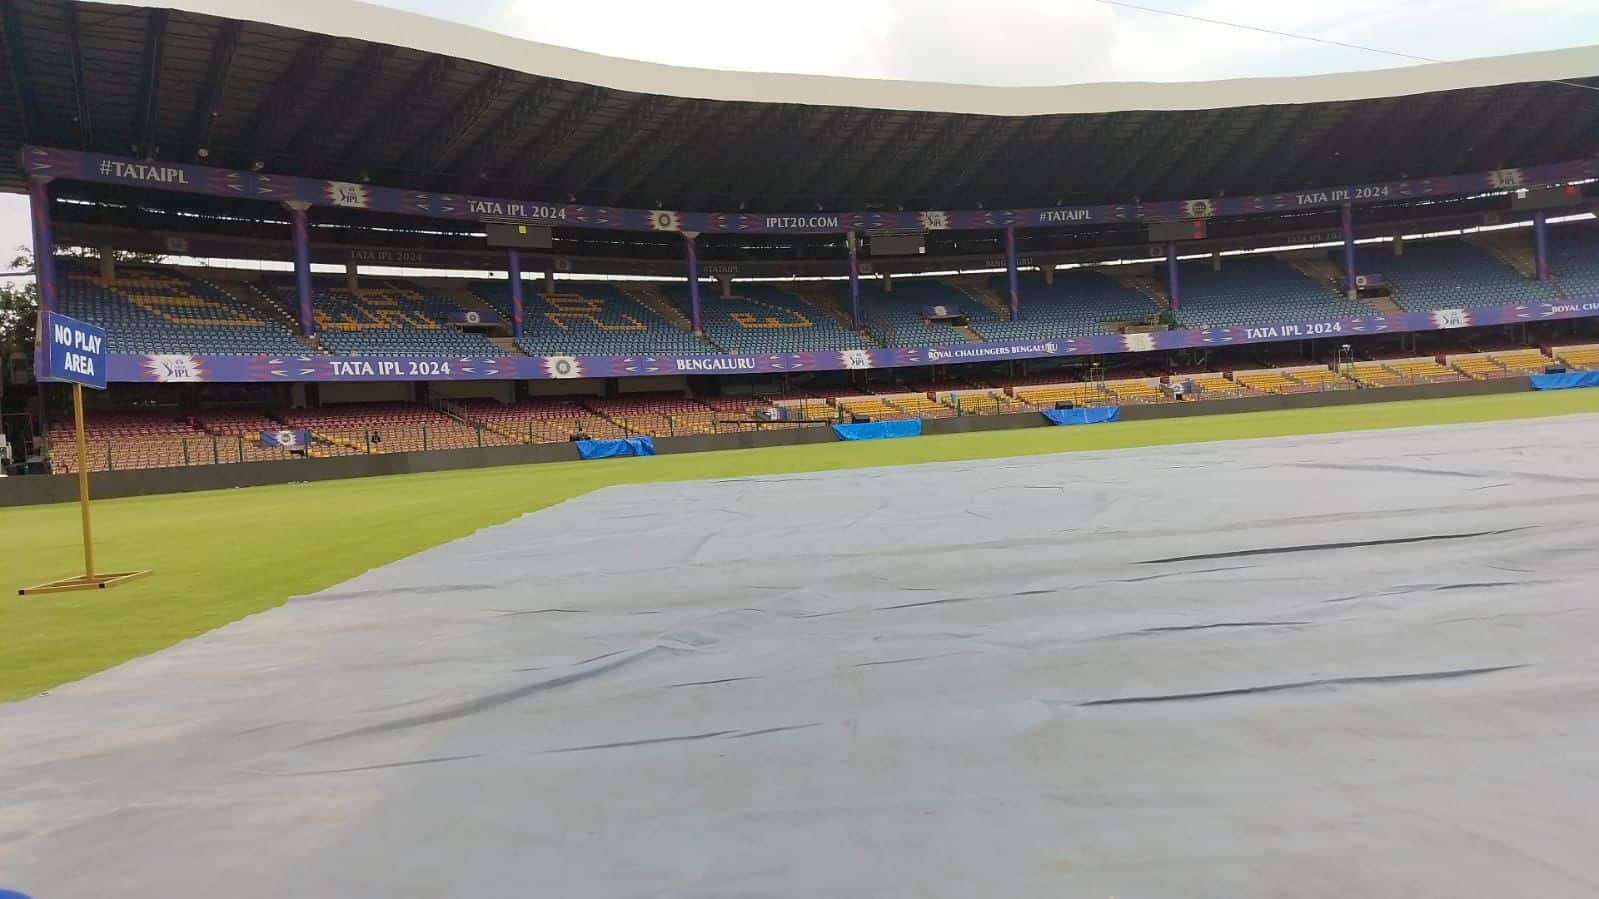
{"points": [[521, 237], [1185, 229]]}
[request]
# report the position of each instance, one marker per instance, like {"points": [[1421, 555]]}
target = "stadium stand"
{"points": [[1574, 258], [388, 428], [588, 318], [1499, 364], [1452, 274], [388, 318], [762, 318], [118, 441], [894, 316], [1080, 302], [158, 309], [543, 420], [1256, 290], [1580, 356]]}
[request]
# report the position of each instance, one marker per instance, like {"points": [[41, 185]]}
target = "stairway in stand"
{"points": [[819, 295], [1141, 279], [1317, 267], [968, 334], [1513, 248], [977, 289]]}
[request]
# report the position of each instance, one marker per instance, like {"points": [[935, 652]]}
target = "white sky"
{"points": [[1011, 41]]}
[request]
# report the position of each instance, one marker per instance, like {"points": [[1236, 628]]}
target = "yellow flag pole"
{"points": [[89, 580], [83, 482]]}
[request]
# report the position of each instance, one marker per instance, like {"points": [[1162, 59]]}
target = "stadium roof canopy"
{"points": [[347, 91]]}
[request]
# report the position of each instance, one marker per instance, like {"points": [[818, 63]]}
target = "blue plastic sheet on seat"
{"points": [[610, 449], [879, 430], [1091, 415], [1566, 381]]}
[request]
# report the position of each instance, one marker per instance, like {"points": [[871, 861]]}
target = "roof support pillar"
{"points": [[1049, 273], [1173, 289], [108, 262], [1346, 218], [854, 280], [692, 257], [1010, 273], [1540, 243], [302, 265], [44, 264], [725, 282], [513, 271]]}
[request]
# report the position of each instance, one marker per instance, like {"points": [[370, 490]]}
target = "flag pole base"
{"points": [[83, 582]]}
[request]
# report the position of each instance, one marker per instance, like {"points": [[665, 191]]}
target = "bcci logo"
{"points": [[563, 367]]}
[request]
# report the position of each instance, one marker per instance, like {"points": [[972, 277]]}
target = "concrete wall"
{"points": [[21, 491]]}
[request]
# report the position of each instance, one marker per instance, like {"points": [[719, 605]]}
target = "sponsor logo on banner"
{"points": [[1451, 318], [472, 318], [174, 368], [855, 359], [1138, 343], [563, 367], [343, 193], [663, 220], [935, 221], [1505, 178], [1199, 209]]}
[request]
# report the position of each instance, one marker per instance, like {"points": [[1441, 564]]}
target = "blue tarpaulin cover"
{"points": [[1566, 381], [1092, 415], [609, 449], [879, 430]]}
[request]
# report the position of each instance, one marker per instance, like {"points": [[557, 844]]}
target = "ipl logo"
{"points": [[343, 193], [176, 368], [856, 359]]}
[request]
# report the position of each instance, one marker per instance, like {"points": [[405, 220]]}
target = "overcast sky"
{"points": [[1012, 41]]}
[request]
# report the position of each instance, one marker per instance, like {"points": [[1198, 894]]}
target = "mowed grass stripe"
{"points": [[222, 555]]}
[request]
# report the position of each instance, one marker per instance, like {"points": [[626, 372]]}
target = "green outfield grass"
{"points": [[221, 555]]}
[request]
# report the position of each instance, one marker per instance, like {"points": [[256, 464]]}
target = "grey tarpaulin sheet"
{"points": [[1353, 665]]}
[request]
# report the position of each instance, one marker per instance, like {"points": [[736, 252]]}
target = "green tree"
{"points": [[19, 307]]}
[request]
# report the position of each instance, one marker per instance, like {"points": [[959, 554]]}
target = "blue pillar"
{"points": [[1171, 277], [302, 267], [854, 282], [513, 265], [1010, 273], [693, 257], [1540, 242], [1347, 222], [44, 262]]}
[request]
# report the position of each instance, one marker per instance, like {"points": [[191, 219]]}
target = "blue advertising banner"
{"points": [[48, 162], [76, 351], [179, 368], [289, 438], [1091, 415]]}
